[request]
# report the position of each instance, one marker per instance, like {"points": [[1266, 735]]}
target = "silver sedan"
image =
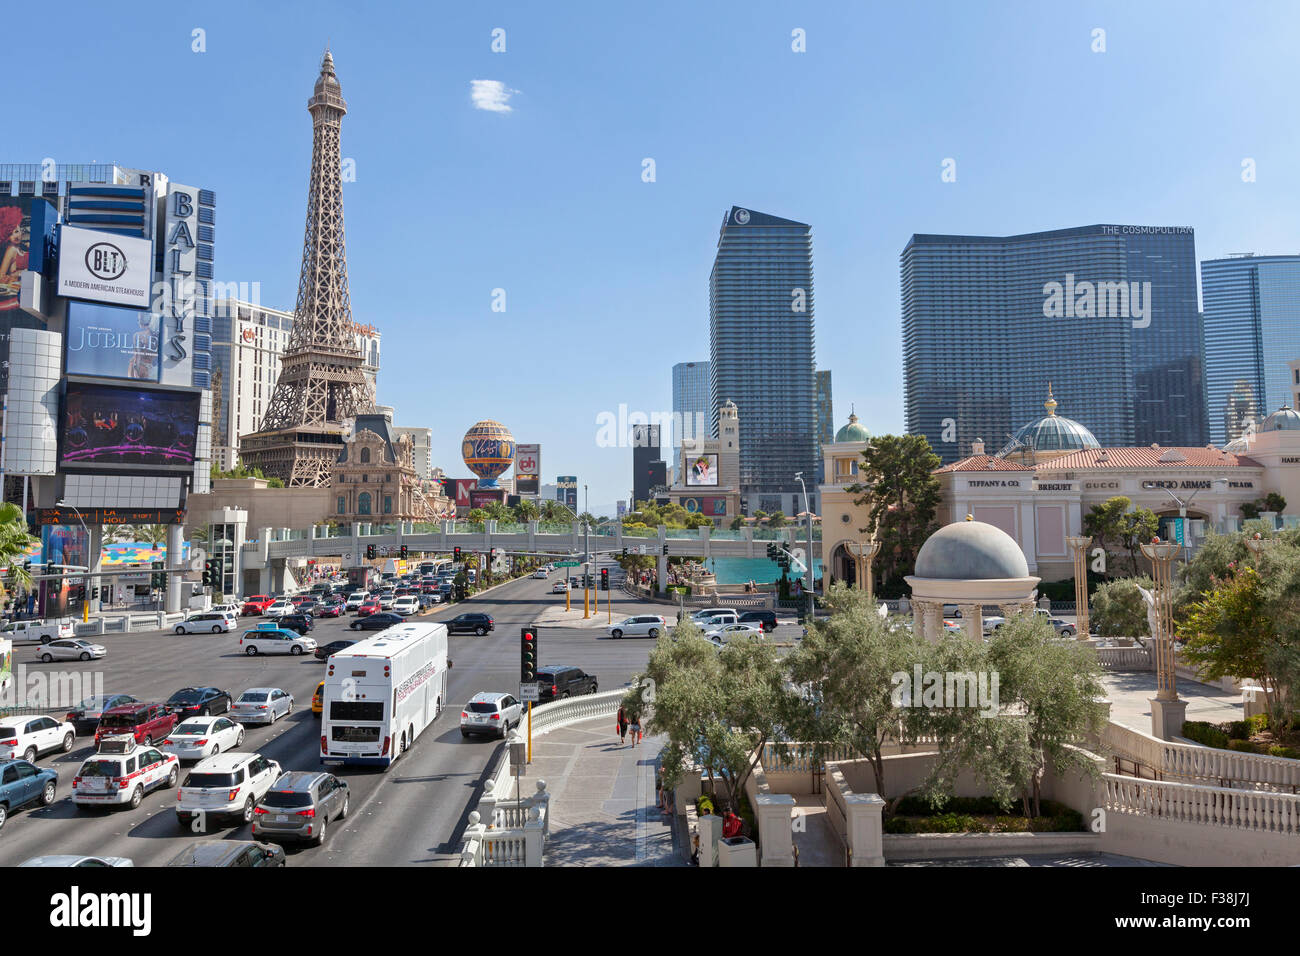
{"points": [[73, 649], [262, 705]]}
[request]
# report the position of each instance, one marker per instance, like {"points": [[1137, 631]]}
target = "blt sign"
{"points": [[180, 254]]}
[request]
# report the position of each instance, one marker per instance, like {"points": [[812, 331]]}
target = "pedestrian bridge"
{"points": [[275, 547]]}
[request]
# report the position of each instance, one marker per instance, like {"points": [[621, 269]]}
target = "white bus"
{"points": [[381, 693]]}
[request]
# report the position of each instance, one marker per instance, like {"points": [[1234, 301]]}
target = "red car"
{"points": [[365, 610], [258, 603], [333, 609], [147, 722]]}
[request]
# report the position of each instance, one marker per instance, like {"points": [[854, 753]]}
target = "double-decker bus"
{"points": [[381, 693]]}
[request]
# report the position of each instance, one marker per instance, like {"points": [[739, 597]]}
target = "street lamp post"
{"points": [[808, 572], [1079, 548], [1167, 711], [1182, 513], [1258, 545]]}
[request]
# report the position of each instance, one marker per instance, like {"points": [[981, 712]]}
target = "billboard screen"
{"points": [[710, 507], [112, 341], [702, 470], [15, 247], [463, 488], [481, 498], [106, 427], [105, 267], [567, 491], [528, 469]]}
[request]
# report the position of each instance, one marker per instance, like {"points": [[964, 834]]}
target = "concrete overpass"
{"points": [[271, 553]]}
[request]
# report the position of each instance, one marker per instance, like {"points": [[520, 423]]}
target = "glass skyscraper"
{"points": [[1105, 314], [1252, 329], [761, 348], [692, 416]]}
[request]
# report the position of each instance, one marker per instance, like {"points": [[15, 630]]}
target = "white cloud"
{"points": [[492, 95]]}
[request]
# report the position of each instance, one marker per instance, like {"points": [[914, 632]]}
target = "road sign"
{"points": [[528, 693], [567, 564]]}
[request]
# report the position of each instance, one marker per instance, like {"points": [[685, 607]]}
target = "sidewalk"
{"points": [[1130, 695], [603, 809]]}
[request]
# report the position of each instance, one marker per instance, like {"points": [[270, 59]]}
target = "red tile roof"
{"points": [[983, 463], [1148, 458]]}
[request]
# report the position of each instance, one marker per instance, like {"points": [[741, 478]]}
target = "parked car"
{"points": [[229, 853], [257, 604], [377, 621], [23, 783], [71, 650], [29, 737], [297, 621], [332, 608], [472, 623], [765, 619], [212, 622], [146, 722], [227, 786], [490, 713], [640, 625], [121, 772], [557, 681], [80, 862], [279, 609], [200, 737], [85, 716], [262, 705], [278, 641], [199, 702], [333, 647], [406, 605], [356, 599], [37, 632], [300, 806]]}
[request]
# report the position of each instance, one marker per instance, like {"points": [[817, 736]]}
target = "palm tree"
{"points": [[150, 533], [527, 510], [14, 542]]}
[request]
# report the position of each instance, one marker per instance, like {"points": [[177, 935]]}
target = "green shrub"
{"points": [[704, 805], [1277, 750], [1238, 729], [1243, 746], [1257, 723], [1205, 733]]}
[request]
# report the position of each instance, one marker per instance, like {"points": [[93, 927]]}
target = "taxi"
{"points": [[121, 772], [318, 699]]}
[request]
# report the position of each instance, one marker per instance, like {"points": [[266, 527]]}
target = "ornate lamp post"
{"points": [[864, 553], [1167, 711], [1258, 545], [1079, 548]]}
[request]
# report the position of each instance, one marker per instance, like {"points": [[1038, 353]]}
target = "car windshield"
{"points": [[252, 696], [287, 798], [191, 728], [210, 780], [8, 732], [100, 768], [483, 707], [117, 720], [187, 696]]}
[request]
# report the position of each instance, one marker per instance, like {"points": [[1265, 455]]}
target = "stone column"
{"points": [[971, 621], [96, 564], [175, 548], [865, 813], [773, 812], [934, 630]]}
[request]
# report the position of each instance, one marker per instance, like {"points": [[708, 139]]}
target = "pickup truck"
{"points": [[37, 632], [257, 604]]}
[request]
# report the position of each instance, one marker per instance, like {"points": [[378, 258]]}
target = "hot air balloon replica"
{"points": [[489, 450]]}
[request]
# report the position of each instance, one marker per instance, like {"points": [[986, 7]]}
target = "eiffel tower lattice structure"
{"points": [[321, 384]]}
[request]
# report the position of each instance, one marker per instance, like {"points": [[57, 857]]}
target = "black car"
{"points": [[557, 681], [302, 623], [765, 618], [229, 853], [333, 647], [198, 702], [377, 621], [478, 624]]}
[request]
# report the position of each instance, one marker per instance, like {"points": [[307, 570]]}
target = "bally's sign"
{"points": [[180, 255], [105, 267]]}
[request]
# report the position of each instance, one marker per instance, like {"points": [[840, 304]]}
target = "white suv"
{"points": [[279, 609], [29, 737], [642, 625], [356, 599], [276, 642], [490, 713], [217, 622], [704, 614], [122, 772], [227, 786], [407, 604]]}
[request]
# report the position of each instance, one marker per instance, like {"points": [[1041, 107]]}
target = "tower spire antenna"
{"points": [[322, 384]]}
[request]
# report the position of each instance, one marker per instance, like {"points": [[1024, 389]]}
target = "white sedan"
{"points": [[262, 705], [29, 737], [559, 587], [71, 650], [200, 737], [279, 609], [727, 632], [540, 573]]}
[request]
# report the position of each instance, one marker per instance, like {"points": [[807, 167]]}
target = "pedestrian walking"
{"points": [[622, 726], [634, 730]]}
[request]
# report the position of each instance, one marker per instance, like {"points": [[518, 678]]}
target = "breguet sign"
{"points": [[180, 254]]}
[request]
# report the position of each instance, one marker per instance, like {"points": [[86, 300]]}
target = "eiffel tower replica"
{"points": [[321, 384]]}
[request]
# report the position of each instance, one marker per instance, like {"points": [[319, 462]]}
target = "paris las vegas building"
{"points": [[1039, 485], [105, 310]]}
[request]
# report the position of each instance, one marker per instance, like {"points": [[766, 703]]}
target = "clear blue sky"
{"points": [[606, 276]]}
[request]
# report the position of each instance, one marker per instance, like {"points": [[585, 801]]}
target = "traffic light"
{"points": [[403, 552], [455, 552], [94, 593], [209, 575], [370, 552], [492, 554], [49, 568], [625, 552], [604, 579], [771, 551], [665, 548], [527, 654]]}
